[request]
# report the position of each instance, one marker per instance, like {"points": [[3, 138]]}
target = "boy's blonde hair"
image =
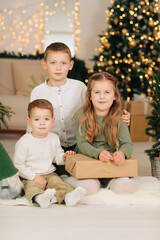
{"points": [[57, 47], [89, 117], [40, 103]]}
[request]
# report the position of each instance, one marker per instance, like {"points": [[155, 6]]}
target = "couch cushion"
{"points": [[19, 105], [6, 80], [23, 72]]}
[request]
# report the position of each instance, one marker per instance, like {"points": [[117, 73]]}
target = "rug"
{"points": [[147, 194]]}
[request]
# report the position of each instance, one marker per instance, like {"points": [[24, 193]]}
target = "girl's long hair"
{"points": [[89, 117]]}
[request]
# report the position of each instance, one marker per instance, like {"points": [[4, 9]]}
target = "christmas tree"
{"points": [[154, 120], [130, 47]]}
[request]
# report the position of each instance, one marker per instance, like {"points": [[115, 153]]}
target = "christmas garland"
{"points": [[79, 70]]}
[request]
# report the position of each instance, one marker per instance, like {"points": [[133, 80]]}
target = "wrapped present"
{"points": [[83, 167], [139, 109], [137, 128]]}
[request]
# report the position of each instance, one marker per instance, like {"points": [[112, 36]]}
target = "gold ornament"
{"points": [[121, 9], [118, 70], [143, 95], [107, 45], [157, 32], [150, 72], [86, 80], [102, 39], [124, 31], [128, 79], [118, 54], [132, 43], [110, 62], [144, 36], [129, 89], [155, 10], [152, 47], [142, 3], [139, 17], [151, 23], [116, 21]]}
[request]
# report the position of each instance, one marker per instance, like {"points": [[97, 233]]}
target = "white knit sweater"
{"points": [[35, 156]]}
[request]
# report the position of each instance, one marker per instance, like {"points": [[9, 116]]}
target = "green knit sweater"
{"points": [[100, 143]]}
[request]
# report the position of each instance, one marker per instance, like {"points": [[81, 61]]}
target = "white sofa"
{"points": [[15, 76]]}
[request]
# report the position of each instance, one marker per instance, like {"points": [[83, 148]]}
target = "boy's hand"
{"points": [[68, 153], [40, 180], [126, 117], [118, 157], [105, 156]]}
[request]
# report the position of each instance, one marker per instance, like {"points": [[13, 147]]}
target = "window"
{"points": [[59, 23]]}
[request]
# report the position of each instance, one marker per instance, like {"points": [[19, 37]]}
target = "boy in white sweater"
{"points": [[34, 156]]}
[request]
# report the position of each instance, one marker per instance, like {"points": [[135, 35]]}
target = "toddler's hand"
{"points": [[118, 157], [105, 156], [40, 180], [68, 153], [126, 117]]}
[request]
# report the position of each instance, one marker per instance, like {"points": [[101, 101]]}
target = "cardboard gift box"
{"points": [[138, 124], [138, 108], [82, 167], [137, 128]]}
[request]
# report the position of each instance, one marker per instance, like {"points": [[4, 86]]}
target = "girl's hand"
{"points": [[40, 180], [105, 156], [118, 157], [68, 153], [126, 117]]}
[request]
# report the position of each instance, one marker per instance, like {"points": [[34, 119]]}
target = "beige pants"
{"points": [[32, 188]]}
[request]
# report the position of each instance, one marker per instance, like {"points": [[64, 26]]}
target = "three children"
{"points": [[66, 95], [101, 130]]}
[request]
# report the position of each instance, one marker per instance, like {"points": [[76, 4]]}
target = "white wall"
{"points": [[92, 23]]}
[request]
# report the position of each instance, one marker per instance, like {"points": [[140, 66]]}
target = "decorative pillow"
{"points": [[24, 71], [6, 80]]}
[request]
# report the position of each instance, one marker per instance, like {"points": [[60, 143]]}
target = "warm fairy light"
{"points": [[77, 27], [19, 28]]}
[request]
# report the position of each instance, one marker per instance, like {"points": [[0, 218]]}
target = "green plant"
{"points": [[34, 82], [154, 119], [5, 112]]}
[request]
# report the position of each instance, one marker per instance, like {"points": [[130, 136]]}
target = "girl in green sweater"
{"points": [[100, 131]]}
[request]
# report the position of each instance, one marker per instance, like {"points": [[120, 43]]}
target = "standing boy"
{"points": [[34, 156], [66, 95]]}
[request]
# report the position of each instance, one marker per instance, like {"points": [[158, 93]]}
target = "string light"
{"points": [[77, 27], [18, 25]]}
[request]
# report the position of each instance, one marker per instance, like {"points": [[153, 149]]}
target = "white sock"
{"points": [[47, 198], [72, 198]]}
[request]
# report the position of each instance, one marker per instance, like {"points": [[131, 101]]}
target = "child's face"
{"points": [[58, 64], [102, 96], [41, 121]]}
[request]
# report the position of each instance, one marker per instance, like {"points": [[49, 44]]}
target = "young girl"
{"points": [[100, 131]]}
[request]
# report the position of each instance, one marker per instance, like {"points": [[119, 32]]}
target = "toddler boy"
{"points": [[34, 156]]}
